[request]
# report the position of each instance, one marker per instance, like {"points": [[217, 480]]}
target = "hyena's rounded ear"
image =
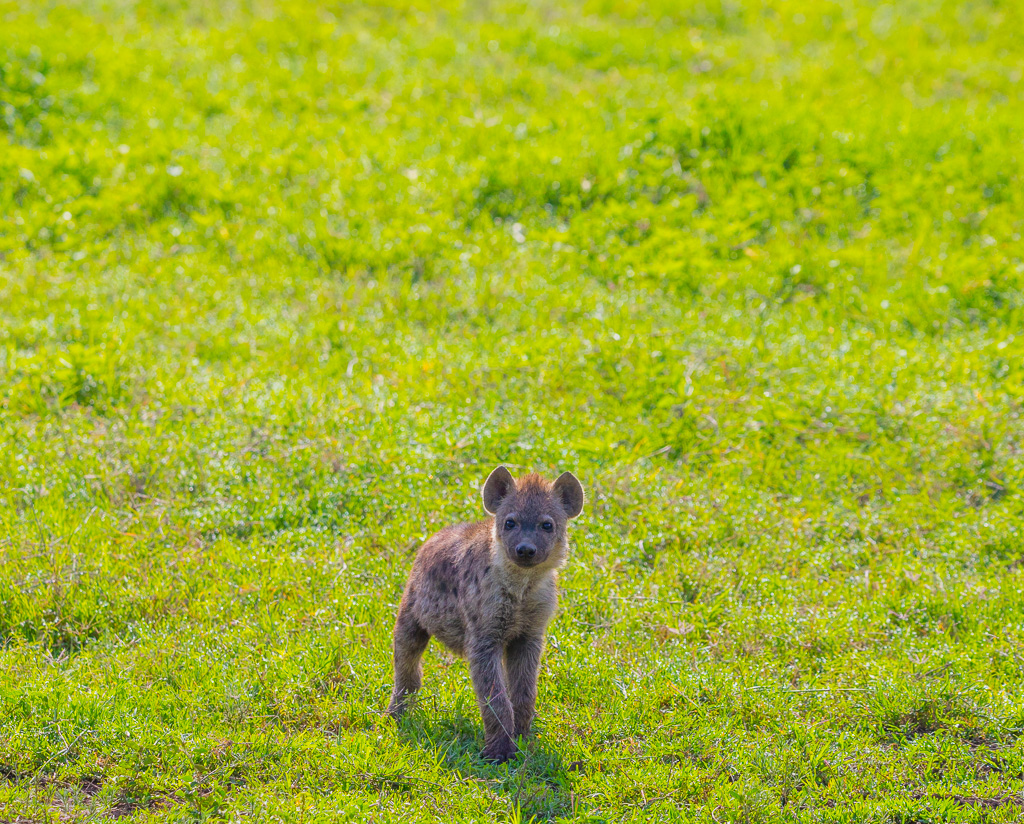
{"points": [[498, 484], [570, 492]]}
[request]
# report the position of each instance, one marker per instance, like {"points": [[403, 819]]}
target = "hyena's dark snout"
{"points": [[526, 551], [528, 554]]}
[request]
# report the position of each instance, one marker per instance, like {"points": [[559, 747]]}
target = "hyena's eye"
{"points": [[510, 524], [547, 526]]}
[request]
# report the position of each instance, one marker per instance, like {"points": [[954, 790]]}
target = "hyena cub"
{"points": [[487, 591]]}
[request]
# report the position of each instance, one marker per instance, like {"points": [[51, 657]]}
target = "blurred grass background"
{"points": [[281, 282]]}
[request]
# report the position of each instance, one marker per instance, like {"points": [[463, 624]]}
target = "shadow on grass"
{"points": [[536, 781]]}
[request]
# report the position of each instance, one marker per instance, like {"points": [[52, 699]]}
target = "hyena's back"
{"points": [[445, 581]]}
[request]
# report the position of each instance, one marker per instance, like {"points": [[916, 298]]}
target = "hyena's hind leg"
{"points": [[409, 642]]}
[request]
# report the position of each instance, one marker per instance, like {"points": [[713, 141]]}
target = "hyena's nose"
{"points": [[526, 551]]}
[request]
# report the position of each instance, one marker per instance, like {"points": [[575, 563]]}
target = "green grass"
{"points": [[280, 284]]}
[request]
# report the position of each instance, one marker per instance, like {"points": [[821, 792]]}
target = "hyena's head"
{"points": [[530, 516]]}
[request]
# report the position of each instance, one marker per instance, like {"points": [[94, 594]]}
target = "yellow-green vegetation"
{"points": [[280, 283]]}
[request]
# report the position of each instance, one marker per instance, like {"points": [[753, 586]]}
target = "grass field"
{"points": [[281, 283]]}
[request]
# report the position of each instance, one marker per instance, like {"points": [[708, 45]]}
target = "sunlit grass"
{"points": [[281, 283]]}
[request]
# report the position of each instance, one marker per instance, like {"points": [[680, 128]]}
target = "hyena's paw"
{"points": [[399, 704], [500, 751]]}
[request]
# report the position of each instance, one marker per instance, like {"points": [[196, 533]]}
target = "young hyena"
{"points": [[487, 591]]}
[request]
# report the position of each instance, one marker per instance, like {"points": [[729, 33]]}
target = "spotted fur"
{"points": [[487, 591]]}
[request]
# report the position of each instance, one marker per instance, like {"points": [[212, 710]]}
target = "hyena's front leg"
{"points": [[487, 671], [409, 642], [522, 662]]}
